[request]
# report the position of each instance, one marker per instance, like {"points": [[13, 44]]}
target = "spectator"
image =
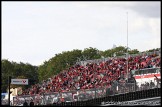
{"points": [[25, 103], [100, 74], [152, 84], [31, 103]]}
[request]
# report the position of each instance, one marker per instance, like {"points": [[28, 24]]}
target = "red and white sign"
{"points": [[19, 81]]}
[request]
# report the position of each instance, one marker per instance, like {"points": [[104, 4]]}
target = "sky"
{"points": [[33, 32]]}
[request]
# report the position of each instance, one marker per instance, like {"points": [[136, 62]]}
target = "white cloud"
{"points": [[153, 43], [102, 4], [136, 24], [146, 9], [36, 31], [154, 25]]}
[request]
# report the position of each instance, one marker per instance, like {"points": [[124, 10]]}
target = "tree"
{"points": [[58, 63], [134, 51], [119, 51], [16, 70], [6, 71], [90, 53]]}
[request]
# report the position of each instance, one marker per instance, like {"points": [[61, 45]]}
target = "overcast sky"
{"points": [[33, 32]]}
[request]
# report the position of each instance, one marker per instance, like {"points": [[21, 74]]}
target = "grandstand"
{"points": [[97, 82]]}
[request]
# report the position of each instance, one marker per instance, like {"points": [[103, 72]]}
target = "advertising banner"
{"points": [[19, 81]]}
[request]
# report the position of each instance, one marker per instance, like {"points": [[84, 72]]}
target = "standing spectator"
{"points": [[31, 103], [152, 85], [157, 80], [25, 103]]}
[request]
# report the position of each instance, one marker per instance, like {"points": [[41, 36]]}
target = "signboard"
{"points": [[19, 81]]}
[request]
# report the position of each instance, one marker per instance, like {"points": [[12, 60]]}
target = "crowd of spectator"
{"points": [[146, 86], [93, 75]]}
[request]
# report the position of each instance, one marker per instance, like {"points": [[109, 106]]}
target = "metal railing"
{"points": [[117, 87], [79, 95], [123, 56]]}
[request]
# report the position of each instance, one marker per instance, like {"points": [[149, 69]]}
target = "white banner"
{"points": [[19, 81]]}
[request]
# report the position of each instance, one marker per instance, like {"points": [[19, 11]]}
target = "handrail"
{"points": [[83, 63]]}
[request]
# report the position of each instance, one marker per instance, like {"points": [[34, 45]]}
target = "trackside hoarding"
{"points": [[19, 81]]}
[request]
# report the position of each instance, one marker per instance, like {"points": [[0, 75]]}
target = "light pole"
{"points": [[127, 46]]}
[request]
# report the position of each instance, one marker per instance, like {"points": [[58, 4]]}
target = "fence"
{"points": [[117, 87], [123, 56], [79, 95]]}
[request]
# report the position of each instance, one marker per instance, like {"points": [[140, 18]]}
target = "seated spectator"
{"points": [[93, 74]]}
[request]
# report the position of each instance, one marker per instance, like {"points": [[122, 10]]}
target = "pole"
{"points": [[9, 81], [127, 46], [127, 31]]}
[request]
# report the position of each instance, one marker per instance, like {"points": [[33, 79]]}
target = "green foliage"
{"points": [[6, 71], [64, 60], [134, 51], [152, 50], [58, 63], [90, 53], [118, 51], [42, 71], [16, 70]]}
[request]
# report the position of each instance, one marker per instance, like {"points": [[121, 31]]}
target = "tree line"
{"points": [[55, 65]]}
